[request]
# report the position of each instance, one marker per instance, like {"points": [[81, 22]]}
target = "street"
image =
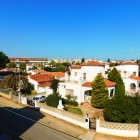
{"points": [[18, 126]]}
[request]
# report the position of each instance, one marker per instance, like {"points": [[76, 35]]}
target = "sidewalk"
{"points": [[99, 136]]}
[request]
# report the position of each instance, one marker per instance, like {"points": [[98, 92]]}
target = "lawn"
{"points": [[73, 110]]}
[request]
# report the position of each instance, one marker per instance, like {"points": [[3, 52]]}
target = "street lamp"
{"points": [[18, 66]]}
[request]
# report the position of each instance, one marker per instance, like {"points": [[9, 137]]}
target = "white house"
{"points": [[129, 72], [42, 82], [79, 82]]}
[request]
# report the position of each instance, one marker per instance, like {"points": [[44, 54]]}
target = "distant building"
{"points": [[38, 62]]}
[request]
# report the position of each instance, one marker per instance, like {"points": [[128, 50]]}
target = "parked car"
{"points": [[39, 98]]}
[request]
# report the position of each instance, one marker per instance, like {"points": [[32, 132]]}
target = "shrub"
{"points": [[69, 97], [69, 102], [65, 101], [74, 103], [34, 92], [53, 100], [123, 109]]}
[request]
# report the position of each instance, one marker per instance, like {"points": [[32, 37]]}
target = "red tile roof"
{"points": [[135, 78], [130, 63], [42, 77], [28, 59], [107, 83], [76, 67], [93, 63], [87, 84], [45, 84], [58, 74]]}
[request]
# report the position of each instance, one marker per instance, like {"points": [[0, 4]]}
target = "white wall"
{"points": [[41, 89], [34, 83], [92, 71], [76, 87], [130, 69], [48, 91], [60, 115], [73, 77], [117, 132]]}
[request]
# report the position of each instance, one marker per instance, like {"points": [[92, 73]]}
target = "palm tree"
{"points": [[12, 82]]}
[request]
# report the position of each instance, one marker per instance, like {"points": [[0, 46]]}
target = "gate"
{"points": [[92, 123]]}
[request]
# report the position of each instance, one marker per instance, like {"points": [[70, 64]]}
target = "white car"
{"points": [[39, 98]]}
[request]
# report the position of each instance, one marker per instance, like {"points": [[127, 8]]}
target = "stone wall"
{"points": [[64, 115], [118, 129]]}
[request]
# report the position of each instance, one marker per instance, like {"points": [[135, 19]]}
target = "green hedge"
{"points": [[69, 102], [123, 109], [53, 100]]}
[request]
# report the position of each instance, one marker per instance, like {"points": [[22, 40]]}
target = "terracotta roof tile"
{"points": [[42, 77], [45, 84], [29, 59], [135, 78], [107, 83], [58, 74], [130, 63], [75, 67], [87, 84], [93, 63]]}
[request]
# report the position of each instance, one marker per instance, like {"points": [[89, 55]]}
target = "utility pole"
{"points": [[18, 66]]}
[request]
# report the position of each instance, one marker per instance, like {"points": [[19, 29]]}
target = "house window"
{"points": [[69, 92], [84, 76], [75, 73], [111, 92], [134, 73]]}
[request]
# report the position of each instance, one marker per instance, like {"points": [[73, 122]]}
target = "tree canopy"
{"points": [[12, 81], [54, 85], [125, 109], [83, 60], [3, 60], [115, 76], [99, 93]]}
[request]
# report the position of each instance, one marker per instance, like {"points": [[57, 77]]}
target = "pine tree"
{"points": [[115, 76], [3, 60], [99, 93]]}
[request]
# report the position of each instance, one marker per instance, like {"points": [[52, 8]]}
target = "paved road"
{"points": [[19, 127]]}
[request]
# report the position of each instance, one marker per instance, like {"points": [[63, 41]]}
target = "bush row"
{"points": [[123, 109], [69, 102]]}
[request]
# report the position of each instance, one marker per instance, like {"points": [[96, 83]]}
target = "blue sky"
{"points": [[97, 29]]}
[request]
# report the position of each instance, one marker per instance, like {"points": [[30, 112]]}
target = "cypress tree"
{"points": [[99, 93], [115, 76]]}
